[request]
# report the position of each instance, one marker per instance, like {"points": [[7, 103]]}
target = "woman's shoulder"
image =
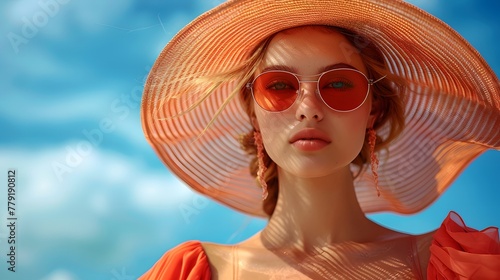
{"points": [[456, 249], [220, 258], [185, 261]]}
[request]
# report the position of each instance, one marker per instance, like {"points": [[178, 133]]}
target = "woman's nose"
{"points": [[310, 106]]}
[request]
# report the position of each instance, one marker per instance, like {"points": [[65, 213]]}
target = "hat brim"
{"points": [[452, 101]]}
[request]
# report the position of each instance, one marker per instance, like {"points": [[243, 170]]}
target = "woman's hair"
{"points": [[387, 105]]}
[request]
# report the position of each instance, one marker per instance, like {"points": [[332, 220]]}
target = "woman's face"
{"points": [[309, 139]]}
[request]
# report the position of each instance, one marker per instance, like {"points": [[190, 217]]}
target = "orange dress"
{"points": [[460, 252], [457, 252], [186, 261]]}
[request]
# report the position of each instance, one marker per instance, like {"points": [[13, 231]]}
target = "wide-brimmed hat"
{"points": [[452, 100]]}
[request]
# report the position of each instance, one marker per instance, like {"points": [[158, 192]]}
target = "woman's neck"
{"points": [[315, 212]]}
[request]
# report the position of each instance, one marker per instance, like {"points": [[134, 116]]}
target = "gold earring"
{"points": [[372, 139], [262, 167]]}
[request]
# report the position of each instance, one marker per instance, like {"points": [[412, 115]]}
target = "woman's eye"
{"points": [[339, 85], [279, 86]]}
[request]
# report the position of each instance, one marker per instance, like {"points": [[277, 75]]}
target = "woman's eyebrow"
{"points": [[294, 70], [336, 66], [279, 67]]}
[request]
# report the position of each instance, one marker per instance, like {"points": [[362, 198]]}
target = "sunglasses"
{"points": [[341, 89]]}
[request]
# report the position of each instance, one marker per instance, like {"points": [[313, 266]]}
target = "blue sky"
{"points": [[92, 199]]}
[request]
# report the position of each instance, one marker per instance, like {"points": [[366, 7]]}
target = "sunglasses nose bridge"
{"points": [[308, 99], [308, 92], [309, 85]]}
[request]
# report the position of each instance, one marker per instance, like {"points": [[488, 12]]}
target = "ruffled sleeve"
{"points": [[460, 252], [187, 261]]}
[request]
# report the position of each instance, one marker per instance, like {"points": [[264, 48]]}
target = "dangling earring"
{"points": [[372, 139], [262, 167]]}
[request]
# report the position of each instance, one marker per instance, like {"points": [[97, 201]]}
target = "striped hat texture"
{"points": [[452, 102]]}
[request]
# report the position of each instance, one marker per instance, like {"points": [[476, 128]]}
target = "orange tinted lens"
{"points": [[343, 90], [275, 90]]}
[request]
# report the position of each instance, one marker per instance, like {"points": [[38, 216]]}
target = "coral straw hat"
{"points": [[452, 99]]}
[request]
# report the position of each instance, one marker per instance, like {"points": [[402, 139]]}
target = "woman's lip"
{"points": [[311, 135], [310, 145]]}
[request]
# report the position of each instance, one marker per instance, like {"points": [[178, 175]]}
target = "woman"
{"points": [[341, 109]]}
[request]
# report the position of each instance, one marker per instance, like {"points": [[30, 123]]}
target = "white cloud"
{"points": [[155, 194], [96, 177], [18, 9], [93, 12], [86, 13], [84, 207], [60, 274], [53, 110]]}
